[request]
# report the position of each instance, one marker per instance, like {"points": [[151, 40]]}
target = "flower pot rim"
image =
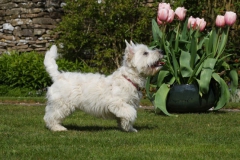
{"points": [[184, 85]]}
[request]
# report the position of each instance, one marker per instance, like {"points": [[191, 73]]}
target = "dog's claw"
{"points": [[133, 130]]}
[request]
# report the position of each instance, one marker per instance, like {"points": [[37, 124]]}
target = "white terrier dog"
{"points": [[115, 96]]}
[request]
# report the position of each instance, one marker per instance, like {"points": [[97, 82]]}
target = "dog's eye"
{"points": [[145, 53]]}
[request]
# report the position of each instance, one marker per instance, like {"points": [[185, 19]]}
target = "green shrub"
{"points": [[23, 70], [96, 31], [26, 70]]}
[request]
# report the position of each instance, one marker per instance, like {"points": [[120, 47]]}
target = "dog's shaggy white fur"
{"points": [[115, 96]]}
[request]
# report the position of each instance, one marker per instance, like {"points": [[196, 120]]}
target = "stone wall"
{"points": [[26, 25]]}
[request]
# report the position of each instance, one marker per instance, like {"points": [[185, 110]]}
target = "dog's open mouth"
{"points": [[158, 64]]}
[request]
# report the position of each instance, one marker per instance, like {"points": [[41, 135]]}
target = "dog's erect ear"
{"points": [[131, 42], [127, 44], [129, 49]]}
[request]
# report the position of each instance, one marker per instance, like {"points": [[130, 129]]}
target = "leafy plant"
{"points": [[26, 70], [23, 70], [192, 56]]}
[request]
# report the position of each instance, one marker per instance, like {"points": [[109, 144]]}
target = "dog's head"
{"points": [[139, 57]]}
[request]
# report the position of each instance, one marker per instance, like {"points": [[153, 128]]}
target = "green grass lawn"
{"points": [[22, 100], [213, 135]]}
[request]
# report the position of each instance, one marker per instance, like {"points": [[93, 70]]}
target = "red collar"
{"points": [[134, 84]]}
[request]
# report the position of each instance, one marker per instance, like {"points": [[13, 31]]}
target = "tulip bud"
{"points": [[163, 14], [181, 13], [220, 21], [201, 23], [192, 22], [164, 5], [171, 14], [159, 22], [230, 18]]}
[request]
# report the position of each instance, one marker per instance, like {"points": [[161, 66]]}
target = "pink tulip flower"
{"points": [[181, 13], [159, 21], [201, 23], [230, 18], [171, 15], [192, 22], [220, 21], [164, 5], [163, 14]]}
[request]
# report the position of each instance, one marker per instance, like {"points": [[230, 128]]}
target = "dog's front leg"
{"points": [[125, 125], [125, 115]]}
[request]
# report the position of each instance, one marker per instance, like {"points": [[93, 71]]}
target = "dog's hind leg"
{"points": [[54, 116]]}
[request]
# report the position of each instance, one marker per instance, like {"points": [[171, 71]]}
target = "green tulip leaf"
{"points": [[193, 50], [206, 75], [161, 76], [184, 31], [147, 87], [224, 92], [157, 33], [213, 43], [185, 66], [160, 99], [222, 42]]}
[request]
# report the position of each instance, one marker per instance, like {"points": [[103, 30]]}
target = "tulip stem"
{"points": [[222, 42], [177, 38]]}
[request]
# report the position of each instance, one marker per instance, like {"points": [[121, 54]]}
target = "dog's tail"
{"points": [[50, 62]]}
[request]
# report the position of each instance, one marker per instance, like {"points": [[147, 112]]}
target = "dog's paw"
{"points": [[133, 130], [58, 128]]}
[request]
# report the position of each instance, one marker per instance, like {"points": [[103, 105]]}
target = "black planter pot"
{"points": [[185, 98]]}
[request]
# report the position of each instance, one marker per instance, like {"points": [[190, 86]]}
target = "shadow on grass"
{"points": [[89, 128], [184, 113], [103, 128]]}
